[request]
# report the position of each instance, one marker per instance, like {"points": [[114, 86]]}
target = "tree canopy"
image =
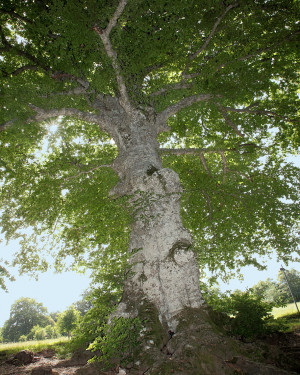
{"points": [[222, 74], [25, 313], [68, 320]]}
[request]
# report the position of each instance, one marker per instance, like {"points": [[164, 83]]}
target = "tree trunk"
{"points": [[162, 287], [164, 268]]}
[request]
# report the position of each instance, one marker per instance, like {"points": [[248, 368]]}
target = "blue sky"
{"points": [[58, 291], [55, 291]]}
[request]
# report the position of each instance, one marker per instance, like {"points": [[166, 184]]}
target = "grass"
{"points": [[34, 345], [288, 317], [290, 309]]}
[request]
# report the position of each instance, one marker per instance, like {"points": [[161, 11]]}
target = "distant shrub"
{"points": [[37, 333], [23, 338], [51, 332], [250, 316]]}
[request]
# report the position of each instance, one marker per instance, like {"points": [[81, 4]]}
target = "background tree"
{"points": [[68, 320], [51, 332], [25, 313], [278, 291], [293, 277], [85, 303], [269, 291], [54, 315], [37, 333], [158, 121]]}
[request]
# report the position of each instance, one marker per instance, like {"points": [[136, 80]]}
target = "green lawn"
{"points": [[290, 309], [288, 316], [33, 345]]}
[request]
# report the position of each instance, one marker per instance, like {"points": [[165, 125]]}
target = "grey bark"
{"points": [[163, 265]]}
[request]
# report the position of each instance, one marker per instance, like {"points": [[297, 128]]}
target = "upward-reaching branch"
{"points": [[210, 36], [213, 31], [113, 21], [104, 35], [186, 102]]}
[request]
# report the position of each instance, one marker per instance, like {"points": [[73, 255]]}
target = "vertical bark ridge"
{"points": [[164, 268]]}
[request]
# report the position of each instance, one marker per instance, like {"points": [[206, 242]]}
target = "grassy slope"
{"points": [[34, 345], [288, 316], [283, 311]]}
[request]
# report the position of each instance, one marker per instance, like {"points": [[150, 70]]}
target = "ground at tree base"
{"points": [[195, 350]]}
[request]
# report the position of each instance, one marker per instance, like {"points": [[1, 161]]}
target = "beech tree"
{"points": [[25, 313], [130, 127]]}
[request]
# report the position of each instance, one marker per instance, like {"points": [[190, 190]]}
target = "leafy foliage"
{"points": [[25, 313], [4, 274], [269, 291], [288, 284], [240, 194], [85, 303], [279, 292], [89, 327], [68, 320], [37, 333], [247, 314], [118, 339]]}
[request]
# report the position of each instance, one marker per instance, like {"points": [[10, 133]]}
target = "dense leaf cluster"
{"points": [[25, 313], [239, 193], [285, 290]]}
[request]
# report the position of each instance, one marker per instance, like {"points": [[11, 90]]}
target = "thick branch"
{"points": [[186, 102], [111, 53], [16, 15], [203, 161], [55, 75], [9, 47], [43, 115], [60, 76], [174, 86], [75, 91], [177, 86], [256, 112], [113, 21], [21, 70], [199, 151], [87, 172], [7, 124]]}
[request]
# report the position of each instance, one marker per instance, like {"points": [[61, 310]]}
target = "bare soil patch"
{"points": [[45, 358]]}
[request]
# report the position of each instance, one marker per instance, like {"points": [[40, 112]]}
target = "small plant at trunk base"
{"points": [[119, 340]]}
